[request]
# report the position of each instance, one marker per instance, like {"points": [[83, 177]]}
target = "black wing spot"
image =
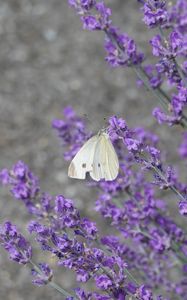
{"points": [[99, 165], [84, 166]]}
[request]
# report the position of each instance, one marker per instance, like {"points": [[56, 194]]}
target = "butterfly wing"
{"points": [[83, 160], [105, 160]]}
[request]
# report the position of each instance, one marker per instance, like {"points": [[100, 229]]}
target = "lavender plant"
{"points": [[145, 258]]}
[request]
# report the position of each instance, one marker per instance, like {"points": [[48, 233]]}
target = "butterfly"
{"points": [[96, 157]]}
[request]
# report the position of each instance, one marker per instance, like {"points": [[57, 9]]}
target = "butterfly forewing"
{"points": [[83, 160]]}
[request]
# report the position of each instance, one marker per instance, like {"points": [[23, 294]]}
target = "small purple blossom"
{"points": [[99, 21], [103, 282], [42, 275], [144, 293], [155, 78], [155, 12], [82, 6], [177, 16], [164, 118], [121, 49], [24, 184], [183, 208], [14, 243]]}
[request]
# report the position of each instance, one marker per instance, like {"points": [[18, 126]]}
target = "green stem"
{"points": [[140, 74], [131, 276], [171, 187], [181, 257], [52, 283]]}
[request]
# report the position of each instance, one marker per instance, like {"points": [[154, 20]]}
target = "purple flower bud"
{"points": [[99, 21], [183, 208], [154, 76], [163, 118], [156, 43], [82, 294], [83, 275], [83, 5], [103, 282], [176, 41], [132, 144], [144, 293], [155, 13], [121, 49], [90, 22], [44, 276], [63, 205], [4, 177], [89, 227], [24, 185]]}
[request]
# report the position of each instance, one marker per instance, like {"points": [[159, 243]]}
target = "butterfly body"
{"points": [[96, 157]]}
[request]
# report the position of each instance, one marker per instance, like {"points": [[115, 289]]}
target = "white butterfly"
{"points": [[97, 157]]}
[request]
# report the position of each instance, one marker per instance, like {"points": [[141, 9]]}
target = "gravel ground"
{"points": [[47, 62]]}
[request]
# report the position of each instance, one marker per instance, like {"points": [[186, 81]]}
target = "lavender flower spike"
{"points": [[15, 244]]}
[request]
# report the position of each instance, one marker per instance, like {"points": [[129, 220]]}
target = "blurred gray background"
{"points": [[47, 62]]}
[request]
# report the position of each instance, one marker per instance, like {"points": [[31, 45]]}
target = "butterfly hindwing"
{"points": [[97, 172], [105, 160], [112, 163]]}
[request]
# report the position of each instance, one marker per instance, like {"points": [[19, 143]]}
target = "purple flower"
{"points": [[89, 227], [158, 49], [144, 293], [132, 144], [177, 16], [176, 41], [82, 294], [103, 282], [5, 177], [179, 100], [155, 13], [117, 126], [42, 275], [169, 50], [24, 184], [183, 208], [153, 75], [168, 68], [83, 5], [121, 49], [159, 241], [99, 21], [146, 137], [163, 118], [14, 243], [82, 275]]}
